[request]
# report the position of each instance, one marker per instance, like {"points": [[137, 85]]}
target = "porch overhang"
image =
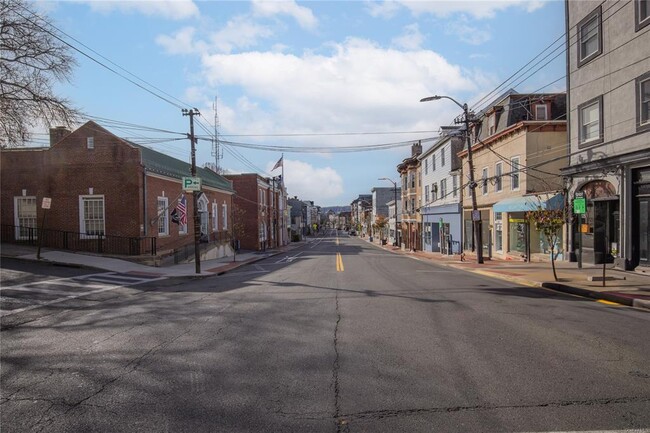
{"points": [[530, 203]]}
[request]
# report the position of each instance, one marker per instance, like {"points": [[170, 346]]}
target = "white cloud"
{"points": [[171, 9], [303, 16], [306, 181], [181, 42], [239, 33], [467, 33], [479, 9], [359, 86], [384, 9], [411, 39]]}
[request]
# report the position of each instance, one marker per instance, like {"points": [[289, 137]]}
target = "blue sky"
{"points": [[315, 67]]}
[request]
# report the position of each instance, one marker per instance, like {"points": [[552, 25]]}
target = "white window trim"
{"points": [[162, 215], [224, 211], [485, 174], [541, 108], [82, 222], [515, 172], [498, 185], [596, 103], [17, 217], [639, 90], [215, 217]]}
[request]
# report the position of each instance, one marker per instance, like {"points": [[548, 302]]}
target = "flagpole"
{"points": [[282, 190]]}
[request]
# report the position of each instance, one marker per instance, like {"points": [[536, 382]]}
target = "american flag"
{"points": [[182, 211]]}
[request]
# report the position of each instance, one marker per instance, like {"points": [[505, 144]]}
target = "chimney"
{"points": [[57, 134], [416, 149]]}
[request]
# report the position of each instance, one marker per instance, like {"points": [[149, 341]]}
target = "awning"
{"points": [[529, 203]]}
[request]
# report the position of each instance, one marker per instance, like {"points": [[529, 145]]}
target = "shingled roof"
{"points": [[159, 163]]}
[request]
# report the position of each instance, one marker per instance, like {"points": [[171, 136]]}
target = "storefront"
{"points": [[513, 235], [599, 228], [441, 227], [641, 217]]}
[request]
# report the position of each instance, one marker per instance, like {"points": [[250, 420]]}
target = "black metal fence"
{"points": [[64, 240]]}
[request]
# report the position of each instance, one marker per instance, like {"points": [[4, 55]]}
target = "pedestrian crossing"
{"points": [[28, 296]]}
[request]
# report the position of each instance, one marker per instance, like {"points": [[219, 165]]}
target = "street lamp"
{"points": [[395, 190], [476, 222]]}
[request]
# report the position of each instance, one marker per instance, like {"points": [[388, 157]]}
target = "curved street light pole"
{"points": [[476, 222], [395, 191]]}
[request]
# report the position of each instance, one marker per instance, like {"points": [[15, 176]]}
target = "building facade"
{"points": [[514, 142], [259, 204], [102, 187], [411, 199], [608, 63], [440, 171]]}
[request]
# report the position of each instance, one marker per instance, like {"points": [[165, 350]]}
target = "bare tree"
{"points": [[32, 59]]}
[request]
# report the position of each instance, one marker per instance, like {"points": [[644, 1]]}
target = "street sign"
{"points": [[47, 203], [579, 205], [191, 184]]}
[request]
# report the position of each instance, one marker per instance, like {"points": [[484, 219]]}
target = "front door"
{"points": [[641, 218]]}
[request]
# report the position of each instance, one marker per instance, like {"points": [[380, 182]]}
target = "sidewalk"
{"points": [[208, 267], [627, 288]]}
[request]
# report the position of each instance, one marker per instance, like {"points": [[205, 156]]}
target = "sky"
{"points": [[302, 74]]}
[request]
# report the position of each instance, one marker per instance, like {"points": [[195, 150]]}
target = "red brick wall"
{"points": [[247, 202], [113, 169]]}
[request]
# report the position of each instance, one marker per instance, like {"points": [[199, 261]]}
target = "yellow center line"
{"points": [[602, 301], [339, 263]]}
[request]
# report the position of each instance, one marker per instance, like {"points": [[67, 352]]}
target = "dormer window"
{"points": [[492, 123], [541, 112]]}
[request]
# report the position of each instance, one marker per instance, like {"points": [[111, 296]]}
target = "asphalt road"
{"points": [[336, 336]]}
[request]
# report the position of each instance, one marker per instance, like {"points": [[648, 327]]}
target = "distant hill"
{"points": [[335, 209]]}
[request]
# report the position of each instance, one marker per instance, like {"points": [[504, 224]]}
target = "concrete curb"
{"points": [[558, 287]]}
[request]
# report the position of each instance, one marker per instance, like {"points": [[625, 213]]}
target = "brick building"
{"points": [[260, 204], [104, 187]]}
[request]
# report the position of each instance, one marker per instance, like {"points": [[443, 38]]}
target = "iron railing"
{"points": [[65, 240]]}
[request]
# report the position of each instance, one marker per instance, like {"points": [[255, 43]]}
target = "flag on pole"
{"points": [[182, 211], [278, 164]]}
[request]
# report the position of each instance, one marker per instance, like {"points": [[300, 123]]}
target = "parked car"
{"points": [[352, 232]]}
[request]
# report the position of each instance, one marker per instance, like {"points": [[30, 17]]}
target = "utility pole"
{"points": [[476, 216], [197, 223]]}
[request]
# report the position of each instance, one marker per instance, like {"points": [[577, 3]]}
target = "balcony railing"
{"points": [[65, 240]]}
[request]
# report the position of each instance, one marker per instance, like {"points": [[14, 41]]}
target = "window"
{"points": [[540, 112], [91, 215], [426, 193], [181, 208], [90, 142], [25, 217], [641, 13], [589, 37], [515, 173], [454, 184], [163, 220], [412, 205], [412, 179], [434, 192], [484, 181], [492, 124], [498, 231], [426, 165], [443, 189], [224, 216], [498, 171], [442, 157], [590, 122], [215, 217], [433, 162], [643, 102]]}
